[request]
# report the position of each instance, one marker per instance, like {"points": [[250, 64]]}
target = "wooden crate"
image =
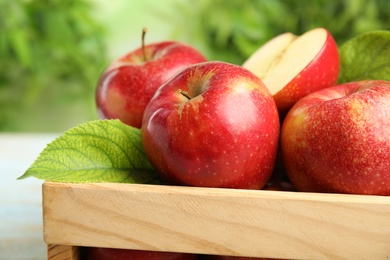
{"points": [[292, 225]]}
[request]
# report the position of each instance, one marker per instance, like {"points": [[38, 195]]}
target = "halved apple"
{"points": [[293, 66]]}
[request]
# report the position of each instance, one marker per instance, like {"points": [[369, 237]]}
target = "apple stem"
{"points": [[184, 93], [144, 30]]}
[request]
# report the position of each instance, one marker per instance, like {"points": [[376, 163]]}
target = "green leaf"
{"points": [[366, 57], [96, 151]]}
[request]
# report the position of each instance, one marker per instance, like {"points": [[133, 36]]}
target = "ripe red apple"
{"points": [[338, 139], [127, 85], [99, 253], [293, 66], [279, 186], [214, 125]]}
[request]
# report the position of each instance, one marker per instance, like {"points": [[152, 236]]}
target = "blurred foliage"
{"points": [[52, 52], [231, 30]]}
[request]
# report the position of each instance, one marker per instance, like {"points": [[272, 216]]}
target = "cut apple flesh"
{"points": [[282, 58]]}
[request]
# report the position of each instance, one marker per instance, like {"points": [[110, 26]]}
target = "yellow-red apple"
{"points": [[338, 139]]}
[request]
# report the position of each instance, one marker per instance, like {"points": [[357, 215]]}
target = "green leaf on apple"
{"points": [[96, 151], [366, 57]]}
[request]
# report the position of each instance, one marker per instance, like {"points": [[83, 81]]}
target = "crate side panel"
{"points": [[217, 221]]}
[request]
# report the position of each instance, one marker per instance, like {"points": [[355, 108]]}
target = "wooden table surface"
{"points": [[21, 235]]}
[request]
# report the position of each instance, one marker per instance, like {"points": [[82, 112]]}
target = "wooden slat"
{"points": [[62, 252], [218, 221]]}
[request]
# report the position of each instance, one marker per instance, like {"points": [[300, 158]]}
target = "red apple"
{"points": [[99, 253], [293, 66], [213, 125], [127, 85], [338, 139], [279, 186]]}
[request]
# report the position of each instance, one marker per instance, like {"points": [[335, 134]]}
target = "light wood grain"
{"points": [[61, 252], [218, 221]]}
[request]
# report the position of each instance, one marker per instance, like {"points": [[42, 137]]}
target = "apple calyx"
{"points": [[144, 31]]}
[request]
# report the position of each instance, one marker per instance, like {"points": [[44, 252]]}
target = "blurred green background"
{"points": [[53, 51]]}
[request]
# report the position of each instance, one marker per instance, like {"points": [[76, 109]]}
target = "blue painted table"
{"points": [[21, 235]]}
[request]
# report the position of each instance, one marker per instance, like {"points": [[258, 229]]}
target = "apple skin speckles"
{"points": [[338, 139], [226, 136], [129, 82]]}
